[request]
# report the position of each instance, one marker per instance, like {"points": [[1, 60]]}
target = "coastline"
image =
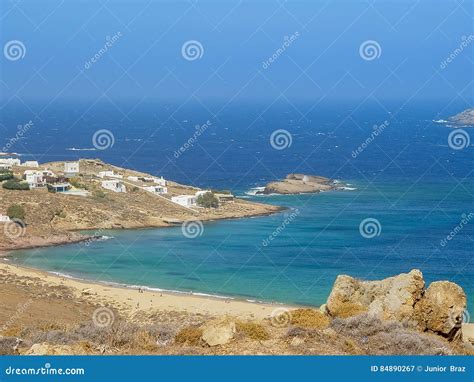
{"points": [[130, 299], [74, 236]]}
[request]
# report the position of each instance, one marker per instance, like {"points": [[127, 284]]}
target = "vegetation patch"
{"points": [[253, 330], [309, 318], [15, 211], [190, 335], [5, 175], [16, 184], [208, 200]]}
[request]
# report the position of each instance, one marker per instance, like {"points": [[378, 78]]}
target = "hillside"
{"points": [[52, 218]]}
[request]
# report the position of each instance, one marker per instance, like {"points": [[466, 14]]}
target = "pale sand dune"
{"points": [[126, 299]]}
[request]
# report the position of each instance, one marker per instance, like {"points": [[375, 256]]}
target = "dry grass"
{"points": [[190, 335], [309, 318], [254, 330], [349, 310], [387, 337]]}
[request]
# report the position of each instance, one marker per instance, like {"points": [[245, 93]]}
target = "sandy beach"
{"points": [[129, 300]]}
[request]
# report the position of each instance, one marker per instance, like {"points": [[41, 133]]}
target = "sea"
{"points": [[406, 197]]}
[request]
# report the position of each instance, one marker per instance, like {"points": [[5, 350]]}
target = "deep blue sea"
{"points": [[407, 178]]}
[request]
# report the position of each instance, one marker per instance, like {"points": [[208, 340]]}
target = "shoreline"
{"points": [[59, 240], [119, 296]]}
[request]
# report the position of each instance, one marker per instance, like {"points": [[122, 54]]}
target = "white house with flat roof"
{"points": [[114, 185], [34, 178], [202, 192], [30, 163], [185, 200], [7, 163], [71, 169], [156, 189], [37, 178], [109, 174], [160, 181]]}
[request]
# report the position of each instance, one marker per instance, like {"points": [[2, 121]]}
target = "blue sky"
{"points": [[145, 62]]}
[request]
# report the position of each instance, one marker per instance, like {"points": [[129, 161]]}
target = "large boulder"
{"points": [[442, 308], [218, 332], [439, 309], [392, 298], [48, 349]]}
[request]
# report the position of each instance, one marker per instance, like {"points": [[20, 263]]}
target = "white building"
{"points": [[34, 178], [71, 169], [37, 178], [114, 185], [4, 218], [9, 162], [185, 200], [109, 174], [160, 181], [133, 178], [202, 192], [30, 163], [156, 189]]}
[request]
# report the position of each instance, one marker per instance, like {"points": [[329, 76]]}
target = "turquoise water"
{"points": [[409, 179], [320, 240]]}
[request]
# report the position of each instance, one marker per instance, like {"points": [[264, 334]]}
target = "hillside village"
{"points": [[60, 198]]}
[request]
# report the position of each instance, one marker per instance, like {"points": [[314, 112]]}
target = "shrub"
{"points": [[224, 192], [208, 200], [253, 330], [15, 211], [190, 335], [309, 318], [388, 337], [15, 184], [76, 182], [99, 194], [5, 175]]}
